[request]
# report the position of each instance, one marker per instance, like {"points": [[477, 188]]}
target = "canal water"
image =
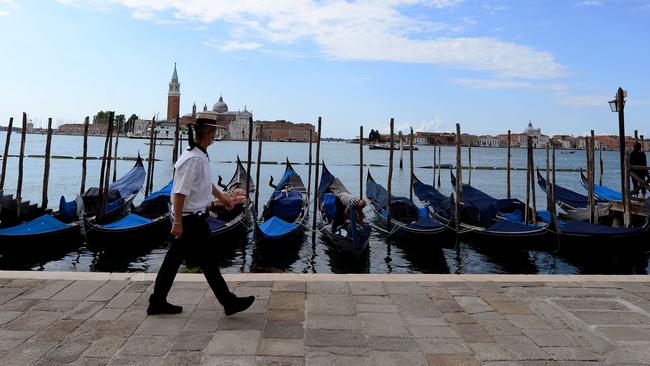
{"points": [[342, 159]]}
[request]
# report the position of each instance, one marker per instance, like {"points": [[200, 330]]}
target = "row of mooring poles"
{"points": [[6, 153]]}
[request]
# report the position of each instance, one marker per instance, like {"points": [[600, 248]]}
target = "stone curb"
{"points": [[239, 277]]}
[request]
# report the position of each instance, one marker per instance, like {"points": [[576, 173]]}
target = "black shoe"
{"points": [[162, 307], [239, 304]]}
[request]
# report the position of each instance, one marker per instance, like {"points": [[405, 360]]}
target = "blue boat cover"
{"points": [[286, 205], [425, 223], [329, 205], [562, 194], [127, 222], [164, 191], [427, 193], [607, 194], [402, 209], [40, 225], [215, 224], [423, 212], [488, 206], [276, 227], [131, 182], [505, 226], [586, 228]]}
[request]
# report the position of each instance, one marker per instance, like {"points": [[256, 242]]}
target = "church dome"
{"points": [[530, 129], [220, 106]]}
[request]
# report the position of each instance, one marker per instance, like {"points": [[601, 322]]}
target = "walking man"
{"points": [[191, 195]]}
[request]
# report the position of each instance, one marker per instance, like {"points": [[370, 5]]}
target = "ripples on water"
{"points": [[313, 257]]}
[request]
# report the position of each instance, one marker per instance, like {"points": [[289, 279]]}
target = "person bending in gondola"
{"points": [[191, 195], [346, 205]]}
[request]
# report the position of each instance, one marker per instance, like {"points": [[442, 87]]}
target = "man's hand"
{"points": [[227, 202], [177, 229]]}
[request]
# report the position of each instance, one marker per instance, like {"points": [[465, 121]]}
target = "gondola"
{"points": [[601, 192], [285, 214], [147, 223], [350, 237], [407, 220], [483, 217], [224, 223], [62, 227], [575, 205], [9, 210]]}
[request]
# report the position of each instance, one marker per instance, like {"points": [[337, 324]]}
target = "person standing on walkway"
{"points": [[191, 195], [637, 157]]}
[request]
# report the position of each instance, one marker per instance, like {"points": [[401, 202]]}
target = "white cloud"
{"points": [[354, 30], [582, 100]]}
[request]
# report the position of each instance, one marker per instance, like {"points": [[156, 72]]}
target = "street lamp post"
{"points": [[617, 105]]}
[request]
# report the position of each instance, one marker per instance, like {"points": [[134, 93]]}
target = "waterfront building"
{"points": [[489, 141], [539, 140], [564, 141], [285, 131]]}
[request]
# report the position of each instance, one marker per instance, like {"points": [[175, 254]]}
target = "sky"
{"points": [[488, 65]]}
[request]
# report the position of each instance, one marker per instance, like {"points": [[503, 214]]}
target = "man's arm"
{"points": [[222, 197], [177, 225]]}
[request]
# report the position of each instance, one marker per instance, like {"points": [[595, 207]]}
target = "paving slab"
{"points": [[51, 318]]}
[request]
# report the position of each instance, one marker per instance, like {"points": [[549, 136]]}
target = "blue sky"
{"points": [[490, 65]]}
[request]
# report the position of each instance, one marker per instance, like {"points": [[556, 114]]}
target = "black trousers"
{"points": [[193, 245]]}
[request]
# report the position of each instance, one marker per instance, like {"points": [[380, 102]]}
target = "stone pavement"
{"points": [[99, 319]]}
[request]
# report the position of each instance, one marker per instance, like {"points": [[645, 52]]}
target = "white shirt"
{"points": [[193, 179]]}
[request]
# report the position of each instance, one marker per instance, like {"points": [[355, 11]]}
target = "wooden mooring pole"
{"points": [[316, 174], [627, 213], [19, 189], [439, 164], [532, 184], [389, 186], [176, 135], [401, 150], [360, 161], [529, 143], [153, 161], [600, 164], [435, 161], [46, 170], [459, 178], [411, 161], [109, 134], [309, 163], [150, 156], [248, 160], [84, 158], [469, 157], [117, 140], [592, 178], [5, 156], [509, 158], [259, 164]]}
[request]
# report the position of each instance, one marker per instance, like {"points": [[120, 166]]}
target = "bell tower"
{"points": [[174, 97]]}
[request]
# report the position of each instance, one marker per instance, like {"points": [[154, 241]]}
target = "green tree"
{"points": [[130, 123], [119, 122], [100, 118]]}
